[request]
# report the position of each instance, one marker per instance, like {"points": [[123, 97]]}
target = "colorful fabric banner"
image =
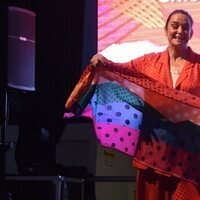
{"points": [[156, 125]]}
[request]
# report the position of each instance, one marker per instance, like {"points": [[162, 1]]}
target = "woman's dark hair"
{"points": [[179, 11]]}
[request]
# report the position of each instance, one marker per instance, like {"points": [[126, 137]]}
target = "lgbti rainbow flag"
{"points": [[134, 114]]}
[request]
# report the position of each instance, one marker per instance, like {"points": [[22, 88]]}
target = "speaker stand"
{"points": [[4, 195]]}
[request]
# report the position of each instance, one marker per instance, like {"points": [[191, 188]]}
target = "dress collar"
{"points": [[188, 64]]}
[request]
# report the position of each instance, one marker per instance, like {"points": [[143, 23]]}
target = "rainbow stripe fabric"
{"points": [[153, 124]]}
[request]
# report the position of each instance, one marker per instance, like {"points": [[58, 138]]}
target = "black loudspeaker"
{"points": [[21, 49]]}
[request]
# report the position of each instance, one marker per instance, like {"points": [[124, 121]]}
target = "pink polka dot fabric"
{"points": [[118, 137]]}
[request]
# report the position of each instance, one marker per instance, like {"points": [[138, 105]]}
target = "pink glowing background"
{"points": [[122, 21]]}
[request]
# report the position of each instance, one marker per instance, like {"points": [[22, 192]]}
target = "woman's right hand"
{"points": [[98, 59]]}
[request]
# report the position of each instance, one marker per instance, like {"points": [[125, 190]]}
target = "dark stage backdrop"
{"points": [[65, 40]]}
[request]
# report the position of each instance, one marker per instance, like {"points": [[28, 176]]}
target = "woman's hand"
{"points": [[98, 59]]}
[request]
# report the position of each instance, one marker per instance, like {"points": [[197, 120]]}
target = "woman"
{"points": [[177, 67]]}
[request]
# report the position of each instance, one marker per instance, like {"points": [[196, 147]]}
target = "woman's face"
{"points": [[178, 30]]}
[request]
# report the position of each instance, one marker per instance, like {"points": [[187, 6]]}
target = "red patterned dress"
{"points": [[165, 170], [167, 157]]}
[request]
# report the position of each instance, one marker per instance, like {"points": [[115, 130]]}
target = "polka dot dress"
{"points": [[127, 106]]}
